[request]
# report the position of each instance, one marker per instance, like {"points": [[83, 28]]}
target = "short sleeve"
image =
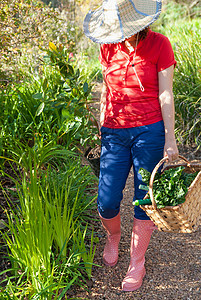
{"points": [[166, 57], [103, 55]]}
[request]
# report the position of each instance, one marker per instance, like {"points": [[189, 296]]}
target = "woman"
{"points": [[137, 116]]}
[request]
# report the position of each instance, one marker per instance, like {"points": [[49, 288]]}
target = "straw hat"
{"points": [[117, 20]]}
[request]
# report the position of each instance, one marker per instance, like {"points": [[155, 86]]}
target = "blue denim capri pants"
{"points": [[140, 147]]}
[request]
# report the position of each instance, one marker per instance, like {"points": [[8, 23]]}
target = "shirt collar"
{"points": [[121, 45]]}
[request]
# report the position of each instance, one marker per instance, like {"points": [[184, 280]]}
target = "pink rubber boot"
{"points": [[113, 229], [142, 230]]}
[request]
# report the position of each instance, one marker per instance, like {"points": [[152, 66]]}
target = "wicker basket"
{"points": [[185, 217]]}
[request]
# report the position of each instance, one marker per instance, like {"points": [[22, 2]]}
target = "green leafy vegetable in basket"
{"points": [[169, 187]]}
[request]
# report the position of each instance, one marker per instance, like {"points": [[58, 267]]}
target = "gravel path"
{"points": [[173, 261]]}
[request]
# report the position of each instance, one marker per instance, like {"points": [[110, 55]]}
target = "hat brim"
{"points": [[95, 28]]}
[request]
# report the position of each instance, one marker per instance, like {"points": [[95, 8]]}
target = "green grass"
{"points": [[181, 24], [50, 245], [187, 81]]}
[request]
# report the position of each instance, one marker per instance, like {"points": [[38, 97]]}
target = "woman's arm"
{"points": [[168, 112], [103, 98]]}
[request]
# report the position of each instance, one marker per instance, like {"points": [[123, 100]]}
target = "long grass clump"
{"points": [[185, 38], [50, 244], [180, 22]]}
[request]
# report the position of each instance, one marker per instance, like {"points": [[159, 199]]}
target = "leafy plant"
{"points": [[169, 187], [74, 83], [51, 108]]}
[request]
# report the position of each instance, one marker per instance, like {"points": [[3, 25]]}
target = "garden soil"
{"points": [[173, 260]]}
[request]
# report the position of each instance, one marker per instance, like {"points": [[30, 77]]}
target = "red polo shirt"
{"points": [[126, 104]]}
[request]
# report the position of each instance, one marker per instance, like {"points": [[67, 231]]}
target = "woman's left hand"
{"points": [[171, 150]]}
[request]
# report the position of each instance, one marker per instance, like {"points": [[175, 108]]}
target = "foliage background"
{"points": [[48, 70]]}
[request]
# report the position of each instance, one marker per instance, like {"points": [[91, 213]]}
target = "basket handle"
{"points": [[153, 176]]}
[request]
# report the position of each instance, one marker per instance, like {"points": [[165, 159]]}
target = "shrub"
{"points": [[52, 108], [26, 28]]}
